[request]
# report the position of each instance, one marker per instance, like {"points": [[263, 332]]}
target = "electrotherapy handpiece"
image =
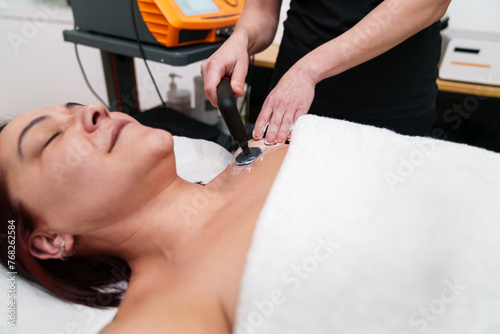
{"points": [[229, 111]]}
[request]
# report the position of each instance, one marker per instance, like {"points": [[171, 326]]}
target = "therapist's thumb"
{"points": [[238, 80]]}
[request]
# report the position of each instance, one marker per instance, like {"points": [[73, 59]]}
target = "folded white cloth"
{"points": [[198, 159], [369, 231]]}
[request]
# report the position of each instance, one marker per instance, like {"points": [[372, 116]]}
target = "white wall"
{"points": [[478, 15], [37, 68]]}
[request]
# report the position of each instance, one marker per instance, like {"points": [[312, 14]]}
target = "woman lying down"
{"points": [[363, 229]]}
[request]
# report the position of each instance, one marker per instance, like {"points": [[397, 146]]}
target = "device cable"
{"points": [[86, 79], [141, 50]]}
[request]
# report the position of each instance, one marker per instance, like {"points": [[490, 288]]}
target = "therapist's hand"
{"points": [[230, 60], [291, 98]]}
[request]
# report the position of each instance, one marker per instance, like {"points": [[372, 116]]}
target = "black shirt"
{"points": [[397, 84]]}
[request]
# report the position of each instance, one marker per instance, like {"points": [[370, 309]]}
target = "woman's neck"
{"points": [[174, 225]]}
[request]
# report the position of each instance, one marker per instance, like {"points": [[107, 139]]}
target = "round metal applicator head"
{"points": [[245, 159]]}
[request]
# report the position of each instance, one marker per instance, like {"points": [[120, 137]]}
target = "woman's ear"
{"points": [[47, 245]]}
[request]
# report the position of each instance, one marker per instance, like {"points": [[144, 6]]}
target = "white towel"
{"points": [[369, 231]]}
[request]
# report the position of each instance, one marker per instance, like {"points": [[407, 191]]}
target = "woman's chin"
{"points": [[158, 143]]}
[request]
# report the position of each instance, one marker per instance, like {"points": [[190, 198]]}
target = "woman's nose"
{"points": [[92, 115]]}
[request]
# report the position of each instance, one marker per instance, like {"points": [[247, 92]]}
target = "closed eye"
{"points": [[51, 139]]}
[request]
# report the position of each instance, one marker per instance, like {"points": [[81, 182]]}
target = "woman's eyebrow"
{"points": [[31, 124], [70, 105], [37, 121]]}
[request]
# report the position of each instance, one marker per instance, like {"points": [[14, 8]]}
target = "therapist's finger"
{"points": [[285, 127], [275, 124], [262, 120], [238, 77], [212, 72]]}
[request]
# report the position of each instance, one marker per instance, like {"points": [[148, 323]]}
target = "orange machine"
{"points": [[182, 22]]}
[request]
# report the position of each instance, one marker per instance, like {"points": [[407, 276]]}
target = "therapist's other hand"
{"points": [[230, 60], [291, 98]]}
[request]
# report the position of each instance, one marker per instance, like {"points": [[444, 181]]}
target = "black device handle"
{"points": [[229, 111]]}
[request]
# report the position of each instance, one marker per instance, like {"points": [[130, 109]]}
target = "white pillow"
{"points": [[38, 312]]}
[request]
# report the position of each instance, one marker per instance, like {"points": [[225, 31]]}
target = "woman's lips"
{"points": [[115, 133]]}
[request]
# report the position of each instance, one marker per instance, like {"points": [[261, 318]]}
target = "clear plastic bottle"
{"points": [[204, 111], [178, 99]]}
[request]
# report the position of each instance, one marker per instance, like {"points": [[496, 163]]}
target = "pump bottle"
{"points": [[178, 99], [204, 111]]}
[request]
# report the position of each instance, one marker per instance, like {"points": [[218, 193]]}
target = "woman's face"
{"points": [[77, 166]]}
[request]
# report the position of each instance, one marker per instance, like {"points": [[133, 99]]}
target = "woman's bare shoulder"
{"points": [[177, 322], [169, 318], [177, 312]]}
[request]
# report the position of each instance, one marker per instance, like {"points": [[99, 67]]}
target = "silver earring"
{"points": [[64, 255]]}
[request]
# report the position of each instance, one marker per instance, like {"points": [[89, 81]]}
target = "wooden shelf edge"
{"points": [[468, 88]]}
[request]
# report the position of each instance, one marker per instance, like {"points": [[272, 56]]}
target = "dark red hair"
{"points": [[90, 281]]}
